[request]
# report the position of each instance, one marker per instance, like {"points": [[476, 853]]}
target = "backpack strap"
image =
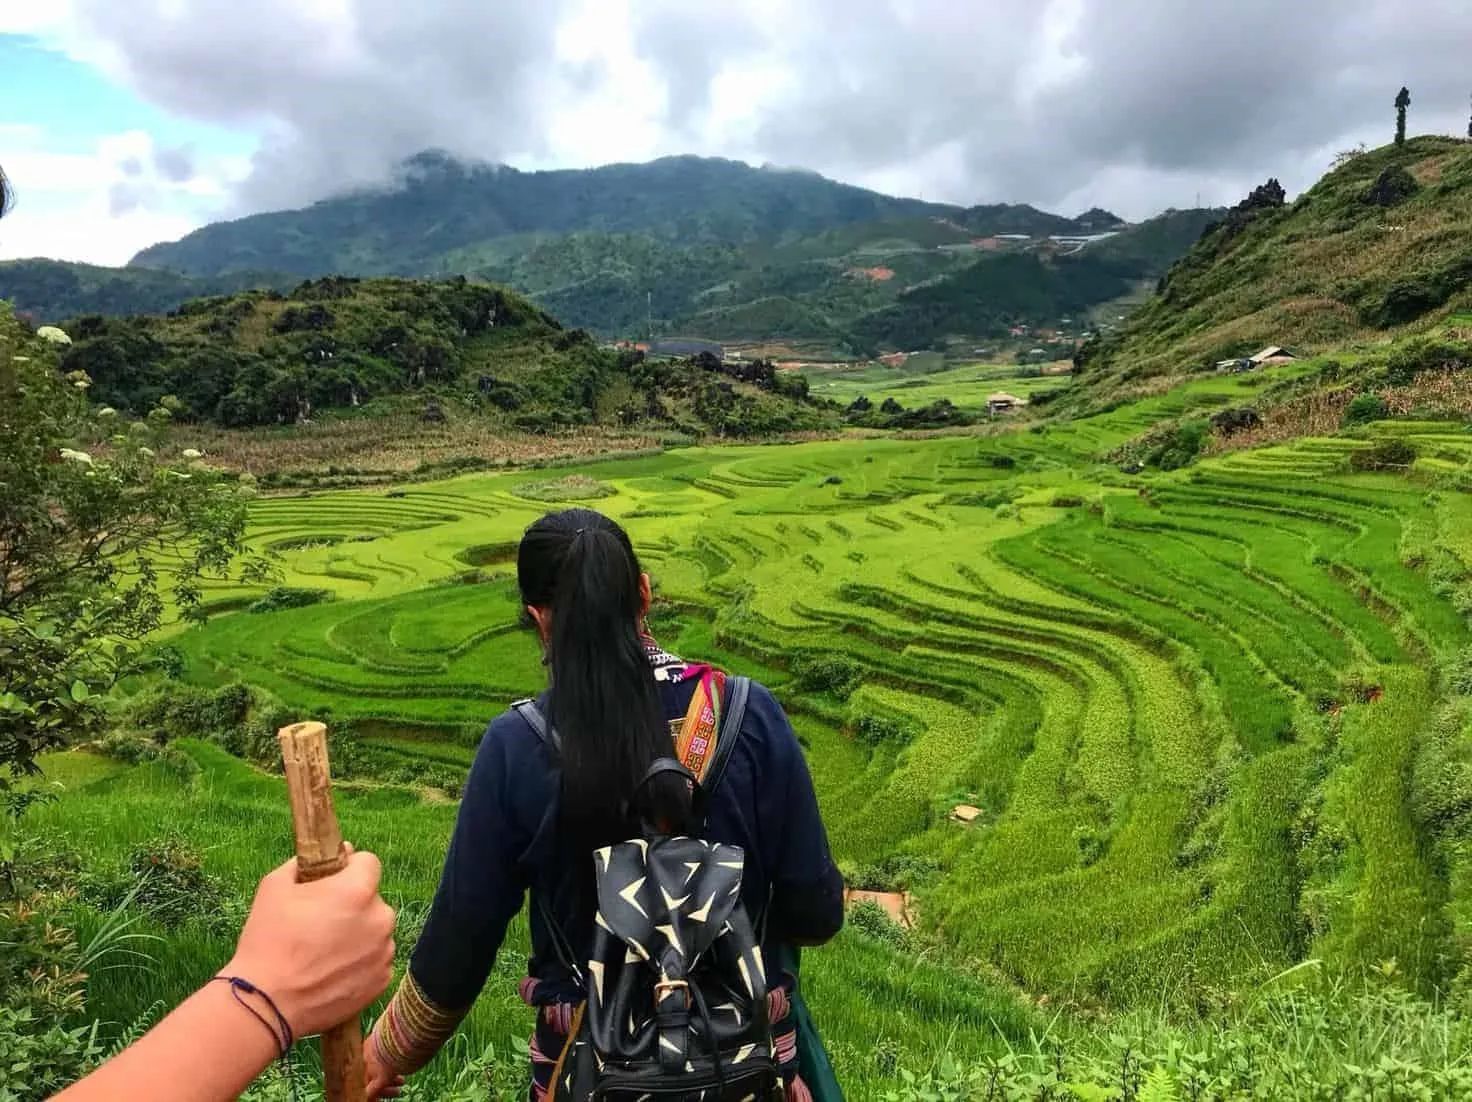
{"points": [[662, 766], [531, 714], [738, 691]]}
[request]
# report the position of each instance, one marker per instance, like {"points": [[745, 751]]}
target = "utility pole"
{"points": [[649, 316]]}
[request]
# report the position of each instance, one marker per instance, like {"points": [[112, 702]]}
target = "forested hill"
{"points": [[54, 289], [1030, 286], [446, 207], [678, 247], [1381, 244], [264, 358]]}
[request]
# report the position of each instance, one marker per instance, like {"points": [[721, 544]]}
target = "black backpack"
{"points": [[675, 987]]}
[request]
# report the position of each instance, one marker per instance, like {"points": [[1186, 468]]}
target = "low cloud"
{"points": [[1131, 104]]}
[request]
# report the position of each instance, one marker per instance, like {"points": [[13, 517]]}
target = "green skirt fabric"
{"points": [[813, 1065]]}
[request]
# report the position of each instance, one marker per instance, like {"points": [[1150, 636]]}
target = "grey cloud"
{"points": [[689, 44], [1156, 100], [125, 198], [1179, 97], [175, 164], [342, 102], [131, 167]]}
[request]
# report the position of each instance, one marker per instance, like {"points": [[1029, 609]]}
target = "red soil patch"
{"points": [[894, 904], [878, 275]]}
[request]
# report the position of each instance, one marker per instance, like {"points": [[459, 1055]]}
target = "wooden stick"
{"points": [[319, 853]]}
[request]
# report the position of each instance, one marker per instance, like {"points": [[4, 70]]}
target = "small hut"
{"points": [[1003, 403], [1273, 354]]}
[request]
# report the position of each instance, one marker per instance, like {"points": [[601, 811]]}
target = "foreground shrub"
{"points": [[1416, 357], [1441, 775], [38, 1059], [874, 730], [285, 596], [1364, 409], [1385, 455], [575, 487], [1167, 448], [164, 878], [991, 500], [870, 919], [42, 973], [134, 749], [826, 673], [896, 873], [241, 719]]}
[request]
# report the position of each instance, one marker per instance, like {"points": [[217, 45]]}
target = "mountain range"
{"points": [[687, 245]]}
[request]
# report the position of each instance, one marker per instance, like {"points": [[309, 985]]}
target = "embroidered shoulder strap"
{"points": [[738, 689], [718, 711]]}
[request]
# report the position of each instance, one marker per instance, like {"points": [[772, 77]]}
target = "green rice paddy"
{"points": [[967, 387], [1187, 705]]}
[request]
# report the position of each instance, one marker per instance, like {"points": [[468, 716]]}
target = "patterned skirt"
{"points": [[554, 1022]]}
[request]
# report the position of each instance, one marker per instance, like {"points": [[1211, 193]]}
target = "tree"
{"points": [[1402, 101], [99, 538], [1469, 129]]}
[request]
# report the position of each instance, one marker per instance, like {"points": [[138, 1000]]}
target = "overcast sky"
{"points": [[124, 122]]}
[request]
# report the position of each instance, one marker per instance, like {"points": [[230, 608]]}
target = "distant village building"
{"points": [[1268, 357], [1003, 403], [1273, 355], [894, 359]]}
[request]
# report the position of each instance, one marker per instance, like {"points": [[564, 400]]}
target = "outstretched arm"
{"points": [[321, 952]]}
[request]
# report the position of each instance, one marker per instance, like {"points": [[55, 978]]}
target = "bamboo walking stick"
{"points": [[319, 853]]}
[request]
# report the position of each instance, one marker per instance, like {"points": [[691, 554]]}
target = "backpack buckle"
{"points": [[669, 987]]}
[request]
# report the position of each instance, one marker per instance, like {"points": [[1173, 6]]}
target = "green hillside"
{"points": [[54, 289], [1378, 246], [1153, 246], [266, 358], [995, 293]]}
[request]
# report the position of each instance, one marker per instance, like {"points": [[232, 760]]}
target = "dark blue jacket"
{"points": [[506, 843]]}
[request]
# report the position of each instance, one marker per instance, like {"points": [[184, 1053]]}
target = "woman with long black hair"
{"points": [[530, 816]]}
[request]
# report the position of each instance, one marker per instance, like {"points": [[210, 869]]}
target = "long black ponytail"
{"points": [[580, 568]]}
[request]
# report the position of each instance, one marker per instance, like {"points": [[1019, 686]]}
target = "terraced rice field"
{"points": [[966, 387], [1149, 686], [1187, 705]]}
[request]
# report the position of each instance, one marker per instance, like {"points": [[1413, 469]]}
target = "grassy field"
{"points": [[1195, 709]]}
